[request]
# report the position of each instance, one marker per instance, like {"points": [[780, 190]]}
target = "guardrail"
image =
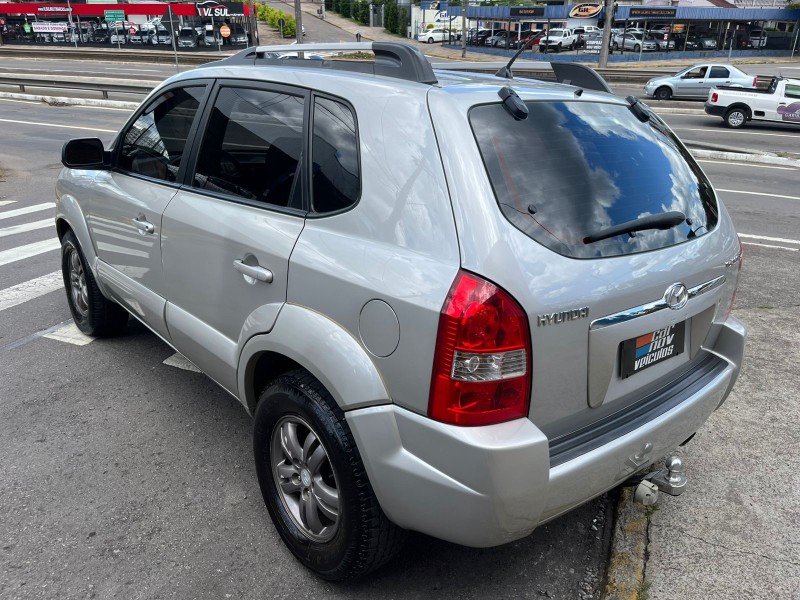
{"points": [[101, 85], [113, 54]]}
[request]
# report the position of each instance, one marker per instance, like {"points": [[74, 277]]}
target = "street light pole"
{"points": [[607, 24]]}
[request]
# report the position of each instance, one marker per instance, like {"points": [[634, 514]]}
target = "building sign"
{"points": [[40, 27], [652, 12], [114, 15], [441, 17], [53, 9], [593, 45], [585, 11], [527, 11], [210, 8]]}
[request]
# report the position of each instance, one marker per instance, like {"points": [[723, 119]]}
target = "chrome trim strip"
{"points": [[652, 307]]}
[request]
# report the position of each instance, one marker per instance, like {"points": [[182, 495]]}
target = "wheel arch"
{"points": [[305, 338], [70, 217], [747, 112]]}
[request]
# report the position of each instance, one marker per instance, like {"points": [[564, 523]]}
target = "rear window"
{"points": [[574, 169]]}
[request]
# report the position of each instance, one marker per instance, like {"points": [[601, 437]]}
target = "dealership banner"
{"points": [[41, 27]]}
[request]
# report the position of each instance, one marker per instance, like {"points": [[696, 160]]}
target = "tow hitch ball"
{"points": [[670, 480]]}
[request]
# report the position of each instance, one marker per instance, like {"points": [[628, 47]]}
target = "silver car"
{"points": [[433, 332], [697, 80], [633, 41]]}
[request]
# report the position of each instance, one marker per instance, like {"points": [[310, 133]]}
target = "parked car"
{"points": [[697, 80], [239, 35], [707, 41], [187, 38], [663, 39], [634, 41], [558, 40], [686, 42], [533, 36], [502, 38], [453, 335], [119, 35], [100, 35], [143, 37], [437, 34], [163, 36], [212, 37], [779, 103], [477, 37], [758, 38]]}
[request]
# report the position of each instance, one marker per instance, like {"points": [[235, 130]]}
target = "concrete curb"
{"points": [[666, 110], [59, 100], [626, 561], [763, 159]]}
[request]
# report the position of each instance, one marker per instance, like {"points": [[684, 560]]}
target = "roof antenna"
{"points": [[505, 72]]}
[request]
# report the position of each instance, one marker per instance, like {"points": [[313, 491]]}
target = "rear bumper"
{"points": [[485, 486], [715, 109]]}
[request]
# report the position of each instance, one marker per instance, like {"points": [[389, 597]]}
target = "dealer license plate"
{"points": [[636, 354]]}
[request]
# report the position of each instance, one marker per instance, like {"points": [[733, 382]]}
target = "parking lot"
{"points": [[126, 473]]}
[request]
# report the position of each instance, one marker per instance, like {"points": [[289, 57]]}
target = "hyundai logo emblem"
{"points": [[676, 296]]}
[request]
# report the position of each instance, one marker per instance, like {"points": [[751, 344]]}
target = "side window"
{"points": [[719, 73], [154, 144], [696, 73], [252, 147], [335, 179], [792, 91]]}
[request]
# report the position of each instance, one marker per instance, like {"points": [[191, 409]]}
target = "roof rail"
{"points": [[392, 59]]}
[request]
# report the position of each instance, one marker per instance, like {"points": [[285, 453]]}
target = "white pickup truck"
{"points": [[559, 39], [780, 102]]}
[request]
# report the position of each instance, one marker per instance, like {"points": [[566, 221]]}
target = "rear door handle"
{"points": [[257, 273], [144, 226]]}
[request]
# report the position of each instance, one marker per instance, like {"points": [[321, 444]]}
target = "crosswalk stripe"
{"points": [[8, 214], [70, 334], [179, 361], [28, 290], [28, 250], [14, 229], [5, 202]]}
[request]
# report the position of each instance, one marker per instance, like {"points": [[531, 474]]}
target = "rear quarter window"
{"points": [[572, 169]]}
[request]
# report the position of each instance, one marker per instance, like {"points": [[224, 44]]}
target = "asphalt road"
{"points": [[122, 476]]}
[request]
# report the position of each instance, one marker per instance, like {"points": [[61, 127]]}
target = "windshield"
{"points": [[574, 168]]}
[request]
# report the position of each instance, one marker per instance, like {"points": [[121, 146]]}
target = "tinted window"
{"points": [[573, 169], [334, 152], [252, 147], [719, 73], [154, 144], [792, 91]]}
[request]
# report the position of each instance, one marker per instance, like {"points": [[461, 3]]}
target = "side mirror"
{"points": [[84, 153]]}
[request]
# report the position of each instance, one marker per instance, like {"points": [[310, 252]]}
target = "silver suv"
{"points": [[456, 304]]}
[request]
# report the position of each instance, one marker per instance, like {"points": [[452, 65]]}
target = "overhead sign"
{"points": [[114, 15], [40, 27], [53, 9], [527, 11], [585, 11], [640, 11], [211, 8]]}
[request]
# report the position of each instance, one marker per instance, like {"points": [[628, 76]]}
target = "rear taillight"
{"points": [[714, 97], [481, 366], [755, 81]]}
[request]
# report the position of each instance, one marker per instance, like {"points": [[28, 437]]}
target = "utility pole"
{"points": [[298, 23], [464, 29], [608, 23]]}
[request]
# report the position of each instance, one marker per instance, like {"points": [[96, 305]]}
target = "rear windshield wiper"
{"points": [[664, 221]]}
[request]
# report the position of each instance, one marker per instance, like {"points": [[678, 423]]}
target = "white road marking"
{"points": [[771, 246], [737, 132], [768, 239], [82, 127], [8, 214], [756, 165], [69, 334], [6, 202], [14, 229], [28, 290], [179, 361], [758, 194], [27, 251]]}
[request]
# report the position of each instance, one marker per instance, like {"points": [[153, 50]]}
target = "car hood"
{"points": [[662, 79]]}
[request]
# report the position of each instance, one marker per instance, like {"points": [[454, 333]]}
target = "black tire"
{"points": [[430, 40], [736, 118], [636, 48], [615, 46], [93, 313], [572, 46], [663, 93], [363, 538], [558, 48]]}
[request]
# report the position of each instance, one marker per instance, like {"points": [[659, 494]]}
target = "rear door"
{"points": [[717, 76], [229, 232]]}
